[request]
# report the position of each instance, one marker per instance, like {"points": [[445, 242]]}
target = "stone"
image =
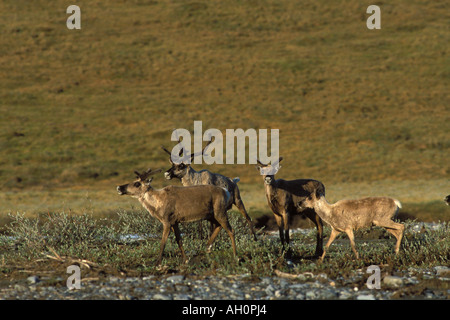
{"points": [[393, 281], [181, 297], [311, 295], [365, 297], [33, 279], [300, 296], [297, 286], [176, 279], [328, 294], [442, 271], [345, 295], [269, 290], [160, 296]]}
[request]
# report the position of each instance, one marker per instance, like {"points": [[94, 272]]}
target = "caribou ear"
{"points": [[147, 183]]}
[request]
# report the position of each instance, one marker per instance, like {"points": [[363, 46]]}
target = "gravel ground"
{"points": [[415, 283], [419, 284]]}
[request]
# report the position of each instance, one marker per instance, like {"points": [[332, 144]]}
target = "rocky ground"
{"points": [[416, 283], [50, 283]]}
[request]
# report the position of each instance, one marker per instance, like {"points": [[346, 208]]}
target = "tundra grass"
{"points": [[130, 246]]}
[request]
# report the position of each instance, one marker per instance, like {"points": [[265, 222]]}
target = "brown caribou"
{"points": [[283, 197], [176, 204], [190, 177]]}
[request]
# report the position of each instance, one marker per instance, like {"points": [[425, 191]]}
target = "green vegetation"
{"points": [[130, 245]]}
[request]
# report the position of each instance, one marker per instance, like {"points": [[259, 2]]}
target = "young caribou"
{"points": [[174, 204], [348, 215]]}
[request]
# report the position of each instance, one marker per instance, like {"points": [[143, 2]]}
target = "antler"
{"points": [[146, 174], [192, 155], [203, 151], [170, 153], [260, 163], [167, 151], [207, 145]]}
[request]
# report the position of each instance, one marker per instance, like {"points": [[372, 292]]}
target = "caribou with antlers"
{"points": [[191, 177], [175, 204]]}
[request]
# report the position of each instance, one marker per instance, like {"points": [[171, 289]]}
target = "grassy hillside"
{"points": [[357, 108]]}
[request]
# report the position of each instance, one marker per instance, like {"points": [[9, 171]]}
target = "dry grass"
{"points": [[363, 111]]}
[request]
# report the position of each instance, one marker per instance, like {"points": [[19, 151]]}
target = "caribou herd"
{"points": [[208, 196]]}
